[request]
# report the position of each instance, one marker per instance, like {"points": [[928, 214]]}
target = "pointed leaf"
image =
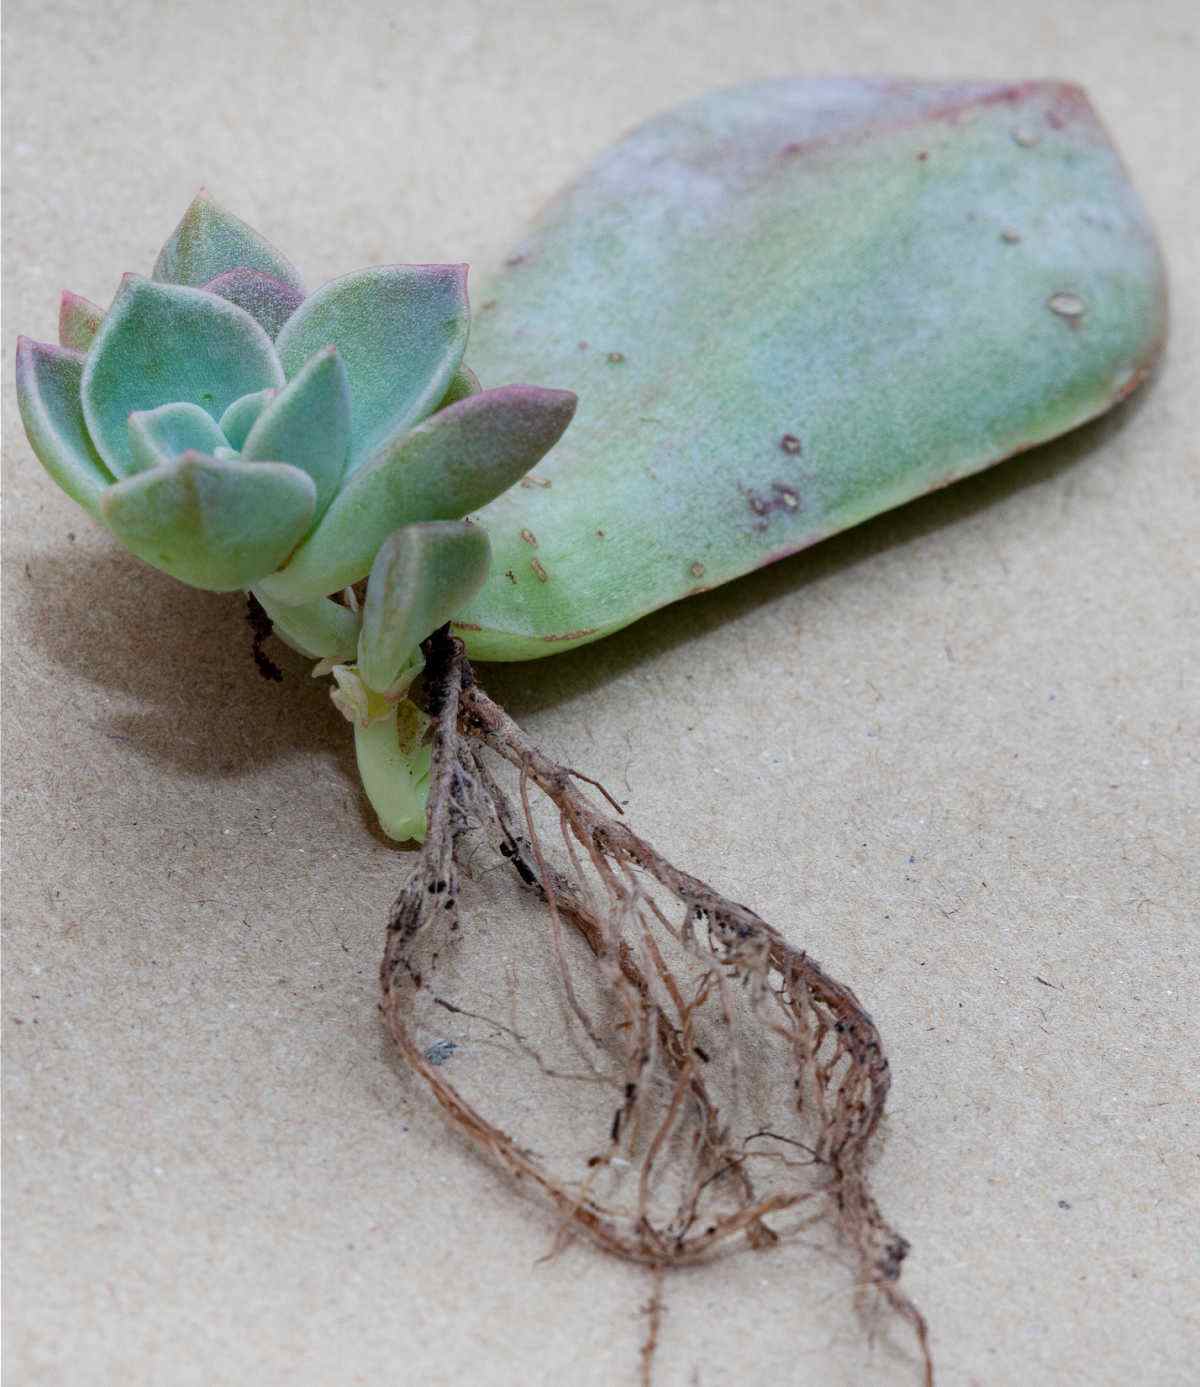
{"points": [[445, 468], [240, 417], [48, 384], [401, 330], [215, 525], [308, 424], [421, 576], [789, 306], [161, 435], [209, 241], [269, 301], [79, 321], [161, 343]]}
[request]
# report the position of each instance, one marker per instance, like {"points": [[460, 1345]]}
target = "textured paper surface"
{"points": [[953, 753]]}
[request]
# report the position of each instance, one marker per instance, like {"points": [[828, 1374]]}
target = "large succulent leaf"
{"points": [[792, 305], [269, 301], [322, 629], [79, 321], [401, 330], [241, 416], [163, 434], [421, 576], [214, 525], [161, 343], [308, 424], [48, 384], [210, 241], [445, 468]]}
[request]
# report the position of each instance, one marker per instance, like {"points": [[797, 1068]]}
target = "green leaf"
{"points": [[463, 384], [395, 777], [48, 384], [401, 330], [161, 435], [160, 344], [269, 301], [308, 424], [421, 576], [789, 306], [322, 629], [240, 417], [445, 468], [210, 241], [215, 525], [79, 321]]}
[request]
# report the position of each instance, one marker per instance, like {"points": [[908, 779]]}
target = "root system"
{"points": [[729, 1086]]}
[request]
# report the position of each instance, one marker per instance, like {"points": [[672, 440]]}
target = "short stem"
{"points": [[396, 779]]}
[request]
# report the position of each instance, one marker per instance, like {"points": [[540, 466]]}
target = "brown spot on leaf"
{"points": [[697, 570], [781, 497], [542, 575], [529, 537], [615, 358], [790, 444], [571, 635]]}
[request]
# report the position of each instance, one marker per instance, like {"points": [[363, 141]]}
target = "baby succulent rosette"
{"points": [[238, 433]]}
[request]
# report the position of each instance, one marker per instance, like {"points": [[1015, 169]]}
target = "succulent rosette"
{"points": [[238, 433]]}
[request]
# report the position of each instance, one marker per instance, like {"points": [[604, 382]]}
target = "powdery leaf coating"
{"points": [[269, 301], [216, 525], [445, 468], [789, 306], [210, 241], [79, 321], [421, 576], [307, 424], [401, 330], [161, 435], [239, 418], [48, 385], [163, 343]]}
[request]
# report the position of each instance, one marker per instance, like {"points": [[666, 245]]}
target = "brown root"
{"points": [[693, 1012]]}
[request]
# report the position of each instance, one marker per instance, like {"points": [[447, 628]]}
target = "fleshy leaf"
{"points": [[789, 306], [161, 435], [210, 241], [215, 525], [445, 468], [322, 629], [463, 384], [48, 385], [308, 424], [161, 343], [269, 301], [79, 321], [401, 330], [394, 776], [421, 576], [240, 417]]}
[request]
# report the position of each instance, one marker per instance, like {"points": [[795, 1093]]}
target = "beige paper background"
{"points": [[952, 752]]}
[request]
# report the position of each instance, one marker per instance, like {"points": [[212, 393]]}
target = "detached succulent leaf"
{"points": [[401, 330], [79, 321], [421, 577], [308, 424], [269, 301], [445, 468], [158, 436], [162, 343], [241, 416], [48, 385], [210, 241], [215, 525]]}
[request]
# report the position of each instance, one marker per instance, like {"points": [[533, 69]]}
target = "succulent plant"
{"points": [[237, 433]]}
